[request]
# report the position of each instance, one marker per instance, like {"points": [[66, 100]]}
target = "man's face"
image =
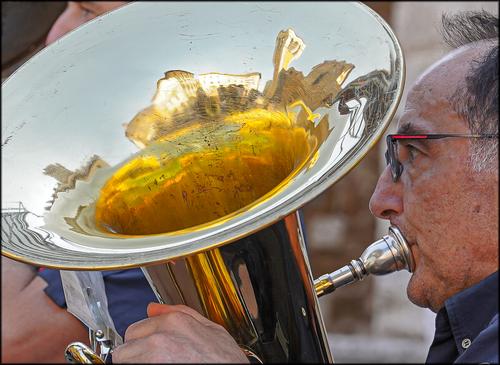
{"points": [[77, 13], [447, 211]]}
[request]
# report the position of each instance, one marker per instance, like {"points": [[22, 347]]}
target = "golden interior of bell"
{"points": [[202, 172], [213, 143]]}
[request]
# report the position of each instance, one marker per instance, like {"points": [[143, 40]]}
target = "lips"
{"points": [[403, 232], [410, 242]]}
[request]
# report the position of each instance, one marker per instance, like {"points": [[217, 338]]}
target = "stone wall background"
{"points": [[373, 321]]}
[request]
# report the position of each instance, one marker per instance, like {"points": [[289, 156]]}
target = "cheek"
{"points": [[423, 202], [437, 199], [437, 213]]}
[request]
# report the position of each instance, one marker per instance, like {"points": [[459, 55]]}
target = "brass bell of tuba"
{"points": [[183, 138]]}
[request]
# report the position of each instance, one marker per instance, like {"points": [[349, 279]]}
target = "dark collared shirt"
{"points": [[467, 326]]}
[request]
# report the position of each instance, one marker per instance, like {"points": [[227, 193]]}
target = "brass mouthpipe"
{"points": [[389, 254]]}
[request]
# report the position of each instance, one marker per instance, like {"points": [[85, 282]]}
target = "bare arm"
{"points": [[34, 328]]}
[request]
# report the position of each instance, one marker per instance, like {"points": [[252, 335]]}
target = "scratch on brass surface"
{"points": [[197, 37], [4, 143], [260, 8], [16, 129]]}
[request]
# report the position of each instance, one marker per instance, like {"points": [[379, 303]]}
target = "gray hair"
{"points": [[477, 100]]}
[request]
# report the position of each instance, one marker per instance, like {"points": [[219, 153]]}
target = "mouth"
{"points": [[403, 231], [411, 243]]}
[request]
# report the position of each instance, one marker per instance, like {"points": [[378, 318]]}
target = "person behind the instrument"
{"points": [[440, 188], [36, 327]]}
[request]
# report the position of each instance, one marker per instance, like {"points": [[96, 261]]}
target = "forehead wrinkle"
{"points": [[429, 105], [441, 105]]}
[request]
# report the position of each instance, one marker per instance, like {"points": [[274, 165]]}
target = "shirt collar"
{"points": [[470, 310]]}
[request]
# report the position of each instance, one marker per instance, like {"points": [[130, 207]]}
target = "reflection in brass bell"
{"points": [[389, 254], [242, 263]]}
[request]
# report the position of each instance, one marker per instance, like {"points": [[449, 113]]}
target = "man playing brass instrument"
{"points": [[440, 187]]}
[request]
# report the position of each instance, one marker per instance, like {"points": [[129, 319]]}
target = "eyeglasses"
{"points": [[391, 155]]}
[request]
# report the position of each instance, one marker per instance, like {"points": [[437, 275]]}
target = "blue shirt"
{"points": [[467, 326], [128, 293]]}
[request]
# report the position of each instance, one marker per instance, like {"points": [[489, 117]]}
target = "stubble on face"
{"points": [[453, 243]]}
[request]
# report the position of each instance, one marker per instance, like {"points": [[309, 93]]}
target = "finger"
{"points": [[152, 349], [128, 352], [141, 328], [169, 321], [155, 309]]}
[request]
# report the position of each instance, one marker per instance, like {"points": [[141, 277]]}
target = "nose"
{"points": [[386, 200]]}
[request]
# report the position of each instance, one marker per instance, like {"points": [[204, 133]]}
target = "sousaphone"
{"points": [[183, 138]]}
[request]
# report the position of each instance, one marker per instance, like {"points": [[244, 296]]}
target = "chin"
{"points": [[421, 293], [416, 291]]}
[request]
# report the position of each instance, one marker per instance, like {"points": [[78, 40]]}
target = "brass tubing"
{"points": [[218, 295]]}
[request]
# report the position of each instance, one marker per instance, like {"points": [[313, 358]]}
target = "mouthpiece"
{"points": [[389, 254]]}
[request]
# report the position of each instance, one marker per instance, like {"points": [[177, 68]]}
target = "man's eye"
{"points": [[412, 153], [87, 13], [408, 153]]}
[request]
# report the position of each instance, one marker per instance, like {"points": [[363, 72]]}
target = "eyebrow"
{"points": [[93, 5], [408, 128]]}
